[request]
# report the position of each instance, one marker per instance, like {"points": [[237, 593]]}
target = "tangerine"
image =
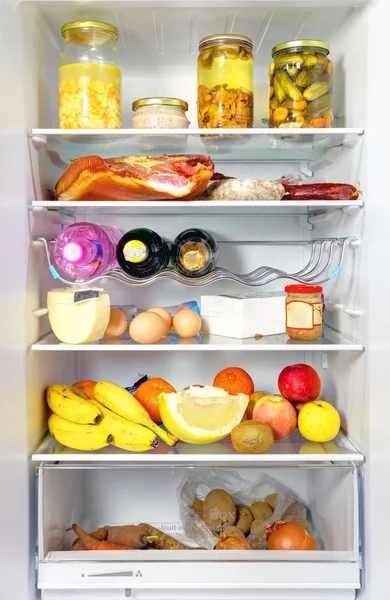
{"points": [[234, 381], [194, 385], [148, 392], [87, 386]]}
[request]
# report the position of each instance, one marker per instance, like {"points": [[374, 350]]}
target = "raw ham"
{"points": [[135, 178]]}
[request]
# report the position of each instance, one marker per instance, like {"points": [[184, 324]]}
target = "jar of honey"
{"points": [[225, 81], [304, 309]]}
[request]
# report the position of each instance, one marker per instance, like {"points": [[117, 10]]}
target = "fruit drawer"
{"points": [[96, 495]]}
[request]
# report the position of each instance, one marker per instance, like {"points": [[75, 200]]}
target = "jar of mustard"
{"points": [[225, 81], [89, 77], [304, 308], [300, 80], [160, 113]]}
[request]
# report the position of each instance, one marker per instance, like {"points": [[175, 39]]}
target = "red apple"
{"points": [[278, 413], [299, 383]]}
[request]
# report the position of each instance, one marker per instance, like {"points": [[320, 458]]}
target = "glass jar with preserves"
{"points": [[300, 80], [89, 77], [304, 309], [160, 113], [225, 82]]}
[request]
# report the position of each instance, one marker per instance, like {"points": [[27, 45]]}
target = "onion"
{"points": [[291, 536]]}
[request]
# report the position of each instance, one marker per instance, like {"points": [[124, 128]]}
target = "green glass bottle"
{"points": [[142, 253], [194, 253]]}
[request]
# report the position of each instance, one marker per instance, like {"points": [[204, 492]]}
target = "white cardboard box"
{"points": [[244, 315]]}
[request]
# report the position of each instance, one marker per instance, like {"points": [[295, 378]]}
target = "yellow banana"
{"points": [[124, 404], [126, 434], [72, 404], [77, 436]]}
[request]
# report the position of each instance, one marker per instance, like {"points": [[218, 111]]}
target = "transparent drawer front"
{"points": [[93, 496]]}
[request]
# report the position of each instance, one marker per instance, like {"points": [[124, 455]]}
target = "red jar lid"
{"points": [[303, 289]]}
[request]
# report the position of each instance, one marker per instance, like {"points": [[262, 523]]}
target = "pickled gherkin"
{"points": [[301, 80]]}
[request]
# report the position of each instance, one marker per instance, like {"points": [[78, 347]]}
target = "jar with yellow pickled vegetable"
{"points": [[225, 82], [89, 77], [300, 79]]}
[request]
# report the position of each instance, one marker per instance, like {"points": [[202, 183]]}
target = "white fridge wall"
{"points": [[362, 45]]}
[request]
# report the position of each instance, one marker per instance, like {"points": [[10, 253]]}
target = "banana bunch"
{"points": [[88, 425]]}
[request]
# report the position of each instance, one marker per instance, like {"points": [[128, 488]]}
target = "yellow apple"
{"points": [[318, 421], [253, 398]]}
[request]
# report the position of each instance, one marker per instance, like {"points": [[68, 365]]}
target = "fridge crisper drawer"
{"points": [[95, 495]]}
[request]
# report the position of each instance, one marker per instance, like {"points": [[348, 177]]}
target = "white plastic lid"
{"points": [[73, 252]]}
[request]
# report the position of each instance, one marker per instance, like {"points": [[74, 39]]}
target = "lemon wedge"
{"points": [[201, 415]]}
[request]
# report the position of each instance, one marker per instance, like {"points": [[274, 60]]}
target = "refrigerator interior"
{"points": [[161, 61]]}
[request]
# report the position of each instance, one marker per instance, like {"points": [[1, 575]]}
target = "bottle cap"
{"points": [[73, 252]]}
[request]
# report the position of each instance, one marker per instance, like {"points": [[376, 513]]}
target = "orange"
{"points": [[87, 386], [147, 394], [234, 381]]}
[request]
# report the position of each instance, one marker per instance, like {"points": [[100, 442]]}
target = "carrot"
{"points": [[271, 91], [91, 543], [78, 545], [270, 114], [299, 104], [317, 122], [162, 541], [280, 114], [300, 119], [329, 67], [99, 534], [129, 535]]}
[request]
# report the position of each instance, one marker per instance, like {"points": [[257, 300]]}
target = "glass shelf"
{"points": [[225, 207], [330, 342], [239, 145], [293, 450]]}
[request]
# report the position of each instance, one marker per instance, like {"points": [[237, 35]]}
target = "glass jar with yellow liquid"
{"points": [[225, 81], [89, 77]]}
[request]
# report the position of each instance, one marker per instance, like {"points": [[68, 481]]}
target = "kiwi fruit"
{"points": [[261, 510], [258, 528], [252, 437], [231, 531], [219, 510], [198, 507], [244, 518], [271, 499]]}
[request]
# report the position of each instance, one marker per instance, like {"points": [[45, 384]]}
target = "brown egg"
{"points": [[147, 328], [187, 323], [165, 314], [117, 324]]}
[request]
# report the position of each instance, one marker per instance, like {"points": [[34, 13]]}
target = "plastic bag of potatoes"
{"points": [[215, 505]]}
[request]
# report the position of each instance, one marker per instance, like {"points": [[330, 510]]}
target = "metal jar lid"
{"points": [[295, 44], [160, 102], [101, 25], [221, 39]]}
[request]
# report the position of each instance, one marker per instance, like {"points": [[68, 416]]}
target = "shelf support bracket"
{"points": [[305, 168], [324, 360]]}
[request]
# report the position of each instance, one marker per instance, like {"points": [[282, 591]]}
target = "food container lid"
{"points": [[303, 289], [226, 38], [293, 44], [160, 102], [74, 25]]}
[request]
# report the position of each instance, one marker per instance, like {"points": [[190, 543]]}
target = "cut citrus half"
{"points": [[201, 415]]}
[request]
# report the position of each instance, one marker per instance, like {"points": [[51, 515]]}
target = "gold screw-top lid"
{"points": [[194, 256], [295, 44], [226, 38], [74, 25], [161, 102]]}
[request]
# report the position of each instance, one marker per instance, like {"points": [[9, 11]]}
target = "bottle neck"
{"points": [[76, 252]]}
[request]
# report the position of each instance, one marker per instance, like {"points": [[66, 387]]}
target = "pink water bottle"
{"points": [[85, 250]]}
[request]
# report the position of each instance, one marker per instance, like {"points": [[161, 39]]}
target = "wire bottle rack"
{"points": [[324, 264]]}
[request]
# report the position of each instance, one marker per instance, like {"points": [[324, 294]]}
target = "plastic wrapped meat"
{"points": [[244, 189], [135, 178]]}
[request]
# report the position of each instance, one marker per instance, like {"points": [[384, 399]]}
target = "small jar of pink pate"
{"points": [[304, 312]]}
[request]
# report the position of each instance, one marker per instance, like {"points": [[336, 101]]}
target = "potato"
{"points": [[244, 518], [219, 510], [261, 510], [198, 507], [271, 499]]}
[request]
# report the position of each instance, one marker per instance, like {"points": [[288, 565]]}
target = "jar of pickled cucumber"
{"points": [[89, 77], [300, 79], [225, 81]]}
